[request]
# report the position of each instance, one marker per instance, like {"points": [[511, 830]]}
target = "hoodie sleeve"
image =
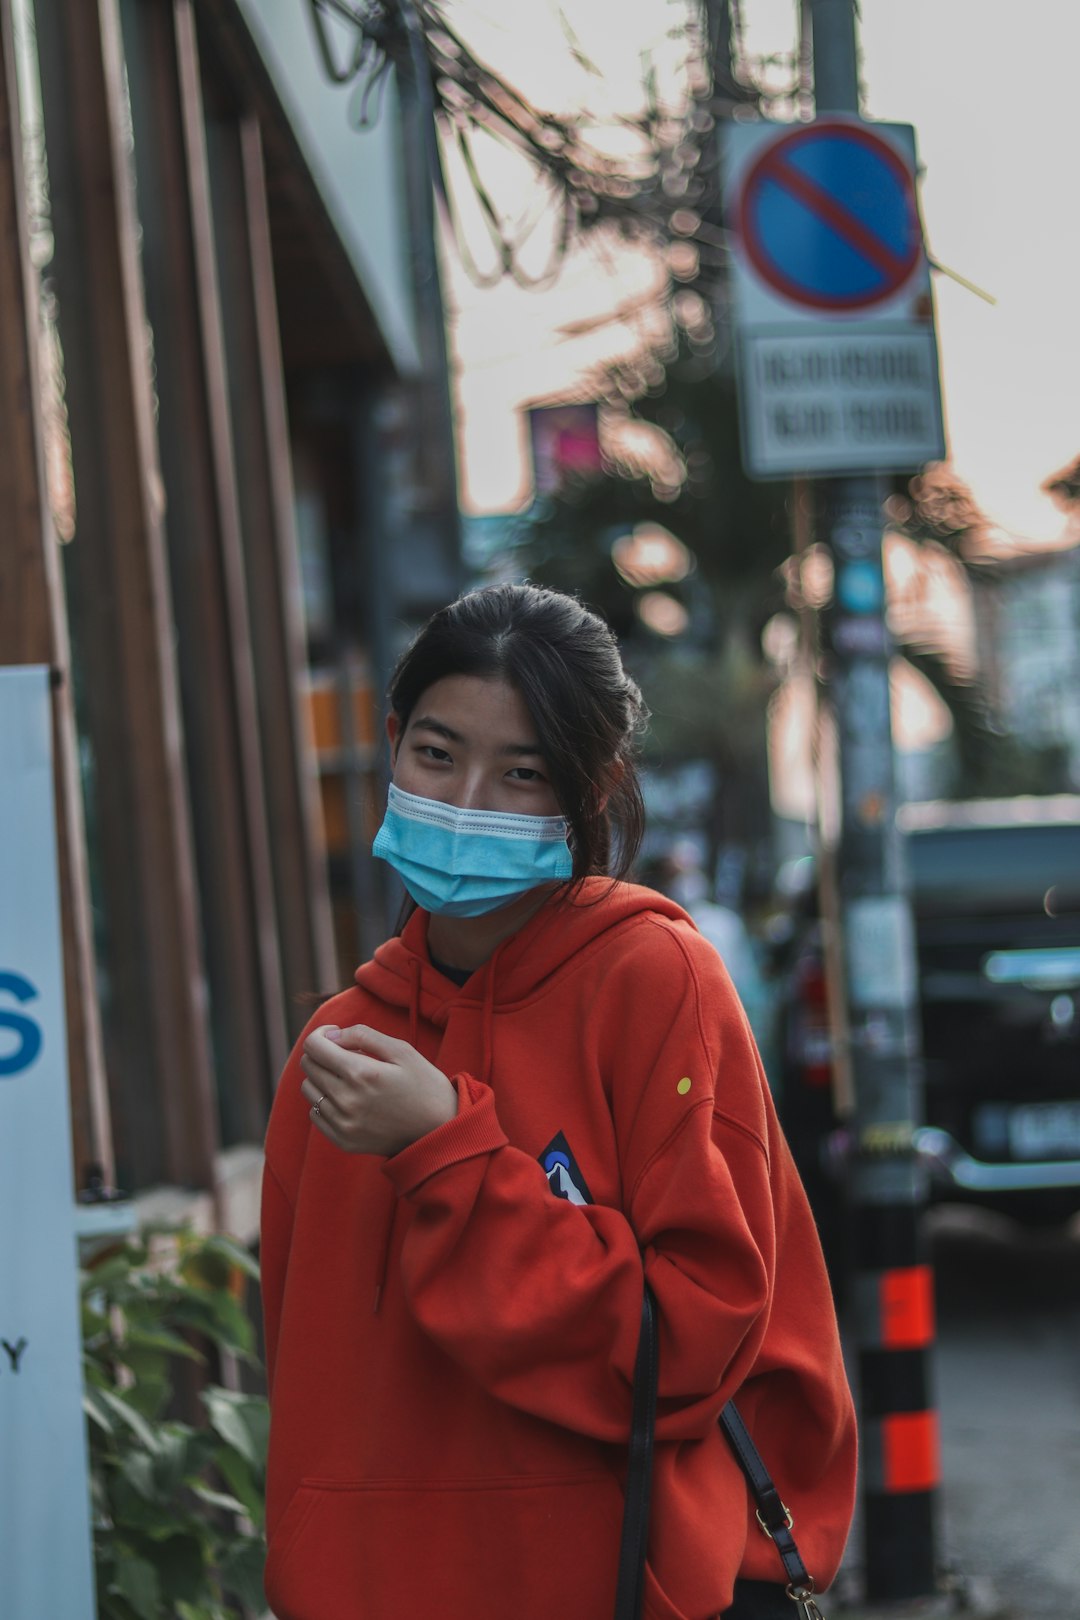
{"points": [[540, 1299], [287, 1138]]}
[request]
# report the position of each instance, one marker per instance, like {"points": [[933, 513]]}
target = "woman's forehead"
{"points": [[477, 708]]}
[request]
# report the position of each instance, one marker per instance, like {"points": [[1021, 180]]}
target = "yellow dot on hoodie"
{"points": [[683, 1086]]}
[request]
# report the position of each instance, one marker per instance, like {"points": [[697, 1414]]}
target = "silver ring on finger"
{"points": [[315, 1114]]}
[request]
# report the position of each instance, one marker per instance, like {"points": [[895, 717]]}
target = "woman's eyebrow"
{"points": [[427, 722]]}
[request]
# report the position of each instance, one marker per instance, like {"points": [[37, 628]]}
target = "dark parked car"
{"points": [[995, 889]]}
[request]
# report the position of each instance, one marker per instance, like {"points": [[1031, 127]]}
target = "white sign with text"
{"points": [[46, 1569], [837, 357]]}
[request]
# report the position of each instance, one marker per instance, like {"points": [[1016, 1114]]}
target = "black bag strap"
{"points": [[630, 1594], [772, 1515]]}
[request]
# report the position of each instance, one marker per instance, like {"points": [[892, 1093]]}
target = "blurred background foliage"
{"points": [[702, 664], [672, 467]]}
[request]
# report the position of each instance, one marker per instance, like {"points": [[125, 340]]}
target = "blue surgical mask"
{"points": [[463, 863]]}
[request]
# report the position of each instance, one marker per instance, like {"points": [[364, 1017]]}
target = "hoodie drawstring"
{"points": [[416, 968], [487, 1019], [385, 1240]]}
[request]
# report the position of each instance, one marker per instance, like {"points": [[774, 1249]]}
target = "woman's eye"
{"points": [[429, 751], [525, 773]]}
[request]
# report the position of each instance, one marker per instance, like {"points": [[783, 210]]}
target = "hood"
{"points": [[401, 975]]}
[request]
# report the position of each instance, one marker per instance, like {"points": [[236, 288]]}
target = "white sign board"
{"points": [[834, 318], [45, 1548]]}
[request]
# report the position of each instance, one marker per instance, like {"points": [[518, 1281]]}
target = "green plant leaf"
{"points": [[216, 1257], [94, 1320], [219, 1316], [136, 1581], [172, 1464], [182, 1563], [244, 1482], [202, 1451], [256, 1414], [218, 1499], [129, 1416], [97, 1364], [137, 1468], [242, 1572], [235, 1418], [111, 1606], [242, 1421], [150, 1393], [101, 1512], [159, 1338], [115, 1271], [97, 1410], [143, 1515]]}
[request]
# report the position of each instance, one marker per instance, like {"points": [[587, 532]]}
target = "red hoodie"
{"points": [[451, 1332]]}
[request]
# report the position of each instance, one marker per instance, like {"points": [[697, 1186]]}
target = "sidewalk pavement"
{"points": [[958, 1599]]}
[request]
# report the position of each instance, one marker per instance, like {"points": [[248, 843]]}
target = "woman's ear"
{"points": [[393, 734]]}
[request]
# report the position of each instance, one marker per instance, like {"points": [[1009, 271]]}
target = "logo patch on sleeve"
{"points": [[563, 1172]]}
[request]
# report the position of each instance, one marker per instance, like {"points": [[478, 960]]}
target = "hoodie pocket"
{"points": [[657, 1605], [474, 1550]]}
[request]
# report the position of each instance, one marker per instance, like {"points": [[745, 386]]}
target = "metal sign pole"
{"points": [[893, 1285]]}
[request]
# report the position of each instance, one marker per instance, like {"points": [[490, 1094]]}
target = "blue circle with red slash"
{"points": [[828, 217]]}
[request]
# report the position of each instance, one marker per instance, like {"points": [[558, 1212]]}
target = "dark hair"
{"points": [[588, 713]]}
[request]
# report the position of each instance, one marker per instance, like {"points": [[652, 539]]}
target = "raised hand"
{"points": [[371, 1093]]}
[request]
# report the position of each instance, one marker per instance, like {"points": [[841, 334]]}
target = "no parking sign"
{"points": [[837, 354]]}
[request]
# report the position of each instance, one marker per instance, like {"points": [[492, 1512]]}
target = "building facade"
{"points": [[1028, 629], [227, 473]]}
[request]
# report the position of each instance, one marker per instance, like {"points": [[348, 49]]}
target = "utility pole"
{"points": [[893, 1284]]}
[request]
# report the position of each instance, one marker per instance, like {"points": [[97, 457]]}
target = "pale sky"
{"points": [[991, 93]]}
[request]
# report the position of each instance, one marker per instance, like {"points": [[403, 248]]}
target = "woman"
{"points": [[543, 1084]]}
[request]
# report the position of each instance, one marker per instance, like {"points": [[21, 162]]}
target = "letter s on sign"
{"points": [[26, 1032]]}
